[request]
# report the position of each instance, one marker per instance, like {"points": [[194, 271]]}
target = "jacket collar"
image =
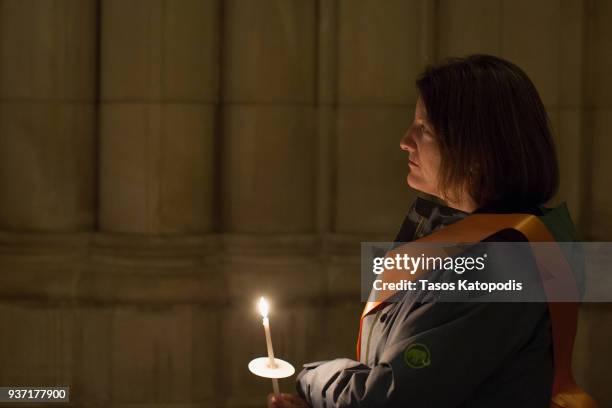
{"points": [[427, 215]]}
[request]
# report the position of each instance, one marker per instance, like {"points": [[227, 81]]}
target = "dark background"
{"points": [[163, 163]]}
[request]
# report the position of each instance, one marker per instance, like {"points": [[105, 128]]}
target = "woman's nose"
{"points": [[407, 142]]}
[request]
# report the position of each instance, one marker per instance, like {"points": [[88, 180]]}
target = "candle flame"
{"points": [[263, 307]]}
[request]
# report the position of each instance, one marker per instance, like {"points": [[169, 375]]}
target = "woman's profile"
{"points": [[480, 143]]}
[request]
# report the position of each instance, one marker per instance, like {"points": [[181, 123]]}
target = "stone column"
{"points": [[159, 88], [598, 203], [327, 102], [269, 69], [47, 114], [592, 355], [546, 40], [379, 55]]}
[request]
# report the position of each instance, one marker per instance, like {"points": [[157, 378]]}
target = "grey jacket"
{"points": [[418, 353]]}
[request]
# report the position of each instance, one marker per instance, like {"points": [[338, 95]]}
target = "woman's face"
{"points": [[423, 153]]}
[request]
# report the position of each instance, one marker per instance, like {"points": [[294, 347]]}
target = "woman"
{"points": [[480, 143]]}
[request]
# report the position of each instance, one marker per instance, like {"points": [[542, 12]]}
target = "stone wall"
{"points": [[163, 163]]}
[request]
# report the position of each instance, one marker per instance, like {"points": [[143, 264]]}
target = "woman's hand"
{"points": [[286, 401]]}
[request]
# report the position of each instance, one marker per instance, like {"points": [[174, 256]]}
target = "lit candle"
{"points": [[263, 309]]}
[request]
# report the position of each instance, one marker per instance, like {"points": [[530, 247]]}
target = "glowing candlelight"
{"points": [[263, 309]]}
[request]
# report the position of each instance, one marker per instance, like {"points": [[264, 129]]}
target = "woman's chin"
{"points": [[413, 182], [416, 183]]}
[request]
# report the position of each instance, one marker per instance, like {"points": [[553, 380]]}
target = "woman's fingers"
{"points": [[295, 401], [274, 401], [286, 401], [279, 401]]}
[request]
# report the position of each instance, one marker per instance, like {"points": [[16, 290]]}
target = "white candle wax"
{"points": [[263, 308], [272, 364], [266, 325]]}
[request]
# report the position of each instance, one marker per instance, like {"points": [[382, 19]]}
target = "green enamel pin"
{"points": [[417, 356]]}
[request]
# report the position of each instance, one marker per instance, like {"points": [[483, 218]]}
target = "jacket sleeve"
{"points": [[465, 343]]}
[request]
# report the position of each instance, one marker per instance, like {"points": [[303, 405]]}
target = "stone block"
{"points": [[372, 194], [269, 52], [131, 54], [47, 166], [268, 168], [530, 39], [152, 355], [48, 49], [379, 52], [600, 195], [191, 50], [468, 27], [567, 132], [37, 345], [156, 167], [601, 53], [592, 352]]}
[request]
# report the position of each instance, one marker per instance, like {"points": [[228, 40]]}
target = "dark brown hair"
{"points": [[493, 132]]}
